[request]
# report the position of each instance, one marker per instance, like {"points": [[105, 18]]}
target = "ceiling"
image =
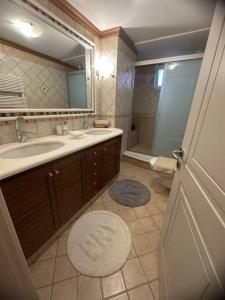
{"points": [[144, 20], [49, 43]]}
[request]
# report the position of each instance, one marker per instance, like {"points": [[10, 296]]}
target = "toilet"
{"points": [[167, 168]]}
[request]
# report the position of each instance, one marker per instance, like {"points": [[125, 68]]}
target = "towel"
{"points": [[11, 92], [164, 164]]}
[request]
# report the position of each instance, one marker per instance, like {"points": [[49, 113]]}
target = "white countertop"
{"points": [[12, 166]]}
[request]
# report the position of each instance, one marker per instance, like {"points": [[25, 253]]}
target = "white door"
{"points": [[192, 246]]}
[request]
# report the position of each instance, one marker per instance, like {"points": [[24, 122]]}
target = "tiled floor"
{"points": [[56, 279]]}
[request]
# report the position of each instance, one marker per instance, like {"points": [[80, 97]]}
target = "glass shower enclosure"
{"points": [[163, 95]]}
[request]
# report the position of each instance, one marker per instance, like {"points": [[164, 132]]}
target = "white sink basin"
{"points": [[33, 149], [99, 131]]}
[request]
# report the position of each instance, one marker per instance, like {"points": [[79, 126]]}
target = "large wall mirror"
{"points": [[60, 78]]}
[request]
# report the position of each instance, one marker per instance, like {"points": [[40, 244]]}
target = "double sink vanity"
{"points": [[46, 181]]}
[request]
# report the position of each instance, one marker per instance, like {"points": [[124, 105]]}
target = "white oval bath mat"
{"points": [[99, 243]]}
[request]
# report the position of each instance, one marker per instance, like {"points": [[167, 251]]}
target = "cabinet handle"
{"points": [[56, 172], [95, 164], [95, 173], [95, 153], [50, 174], [104, 149]]}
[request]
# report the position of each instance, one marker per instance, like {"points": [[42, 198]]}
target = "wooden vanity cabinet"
{"points": [[42, 199], [30, 204], [68, 185], [110, 160]]}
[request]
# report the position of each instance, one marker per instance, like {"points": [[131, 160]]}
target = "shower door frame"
{"points": [[160, 61]]}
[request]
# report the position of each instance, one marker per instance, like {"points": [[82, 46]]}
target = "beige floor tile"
{"points": [[135, 227], [154, 237], [121, 207], [113, 284], [67, 231], [89, 288], [132, 253], [152, 209], [63, 269], [142, 244], [150, 265], [65, 290], [45, 292], [155, 288], [141, 212], [141, 293], [133, 273], [123, 296], [106, 197], [158, 220], [50, 252], [42, 272], [97, 206], [162, 206], [128, 214], [147, 224], [99, 200], [158, 197], [62, 246], [113, 207]]}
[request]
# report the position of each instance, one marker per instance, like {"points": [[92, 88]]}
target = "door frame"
{"points": [[168, 59]]}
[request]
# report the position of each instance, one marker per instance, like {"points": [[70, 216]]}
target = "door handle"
{"points": [[178, 154]]}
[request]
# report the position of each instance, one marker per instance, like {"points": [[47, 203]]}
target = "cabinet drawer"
{"points": [[93, 174], [93, 153], [93, 187], [93, 165]]}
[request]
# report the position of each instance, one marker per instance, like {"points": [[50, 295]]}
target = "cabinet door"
{"points": [[28, 199], [93, 177], [109, 160], [68, 177]]}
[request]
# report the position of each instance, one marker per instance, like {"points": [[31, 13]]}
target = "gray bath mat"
{"points": [[130, 193]]}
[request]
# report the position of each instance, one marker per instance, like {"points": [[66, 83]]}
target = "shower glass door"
{"points": [[178, 86]]}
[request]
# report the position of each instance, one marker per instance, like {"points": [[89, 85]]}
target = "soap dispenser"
{"points": [[65, 128]]}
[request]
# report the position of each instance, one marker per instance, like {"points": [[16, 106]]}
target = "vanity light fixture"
{"points": [[104, 68], [28, 29]]}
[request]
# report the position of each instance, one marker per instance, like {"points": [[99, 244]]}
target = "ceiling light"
{"points": [[28, 29]]}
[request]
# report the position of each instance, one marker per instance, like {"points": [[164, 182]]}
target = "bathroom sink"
{"points": [[33, 149], [99, 131]]}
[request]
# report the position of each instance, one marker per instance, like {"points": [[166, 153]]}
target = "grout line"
{"points": [[54, 268]]}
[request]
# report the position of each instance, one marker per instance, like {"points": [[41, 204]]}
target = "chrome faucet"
{"points": [[86, 121], [21, 134]]}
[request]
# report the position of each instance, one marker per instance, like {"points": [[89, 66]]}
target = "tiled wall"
{"points": [[124, 89], [109, 48], [37, 73], [145, 104], [117, 92], [40, 127]]}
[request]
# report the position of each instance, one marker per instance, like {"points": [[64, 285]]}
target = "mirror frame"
{"points": [[56, 23]]}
